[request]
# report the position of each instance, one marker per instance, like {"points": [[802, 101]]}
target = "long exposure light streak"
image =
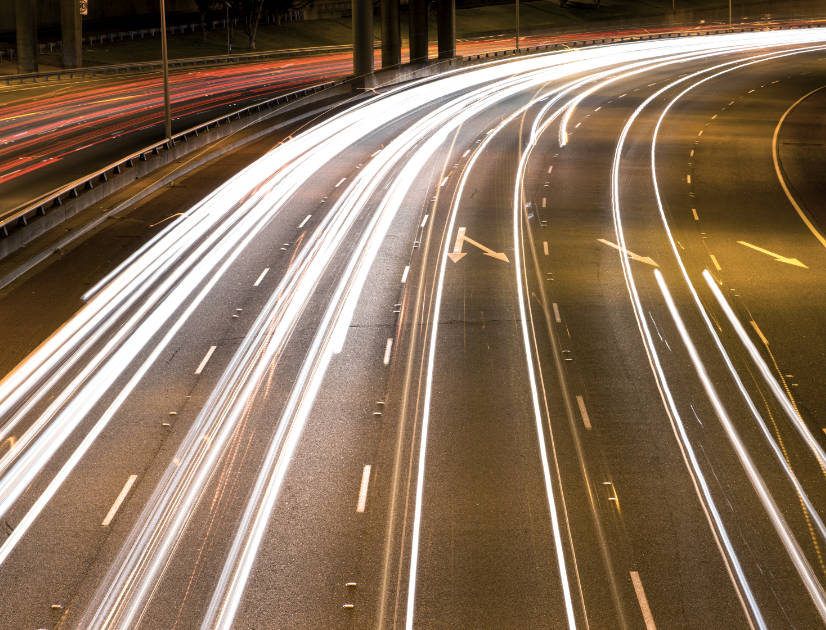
{"points": [[775, 517], [79, 378]]}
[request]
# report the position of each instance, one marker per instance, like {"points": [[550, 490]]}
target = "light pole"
{"points": [[517, 24], [729, 12], [227, 6], [167, 112]]}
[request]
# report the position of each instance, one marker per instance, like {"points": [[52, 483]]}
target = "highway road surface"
{"points": [[535, 344]]}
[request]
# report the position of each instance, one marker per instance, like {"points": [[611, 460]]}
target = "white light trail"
{"points": [[100, 356]]}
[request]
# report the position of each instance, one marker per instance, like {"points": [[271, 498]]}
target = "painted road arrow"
{"points": [[457, 254], [777, 257], [631, 255]]}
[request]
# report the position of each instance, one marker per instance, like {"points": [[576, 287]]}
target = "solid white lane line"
{"points": [[341, 181], [404, 274], [545, 247], [116, 505], [643, 601], [583, 412], [387, 350], [424, 220], [556, 313], [205, 360], [261, 277], [365, 482], [304, 222]]}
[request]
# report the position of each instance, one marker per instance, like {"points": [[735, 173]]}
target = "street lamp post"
{"points": [[227, 6], [729, 12], [167, 111], [517, 24]]}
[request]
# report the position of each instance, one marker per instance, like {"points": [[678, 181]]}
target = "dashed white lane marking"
{"points": [[205, 360], [583, 412], [688, 179], [304, 222], [556, 313], [375, 153], [598, 108], [731, 103], [691, 154], [404, 274], [424, 220], [577, 125], [341, 181], [701, 133], [444, 181], [713, 117], [550, 168], [365, 482], [116, 505], [694, 212], [545, 247], [464, 155], [643, 601], [387, 350], [261, 277], [544, 202], [716, 264]]}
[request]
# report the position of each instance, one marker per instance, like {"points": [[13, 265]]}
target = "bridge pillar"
{"points": [[71, 32], [362, 37], [391, 44], [26, 29], [418, 30], [446, 28]]}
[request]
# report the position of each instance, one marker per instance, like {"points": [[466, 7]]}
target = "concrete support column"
{"points": [[447, 28], [71, 32], [418, 30], [26, 29], [391, 43], [362, 37]]}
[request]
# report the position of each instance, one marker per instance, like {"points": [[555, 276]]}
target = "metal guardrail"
{"points": [[21, 214], [145, 66]]}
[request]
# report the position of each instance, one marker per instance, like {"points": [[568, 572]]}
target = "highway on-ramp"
{"points": [[534, 344]]}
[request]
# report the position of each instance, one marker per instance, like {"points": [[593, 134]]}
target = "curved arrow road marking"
{"points": [[457, 254]]}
